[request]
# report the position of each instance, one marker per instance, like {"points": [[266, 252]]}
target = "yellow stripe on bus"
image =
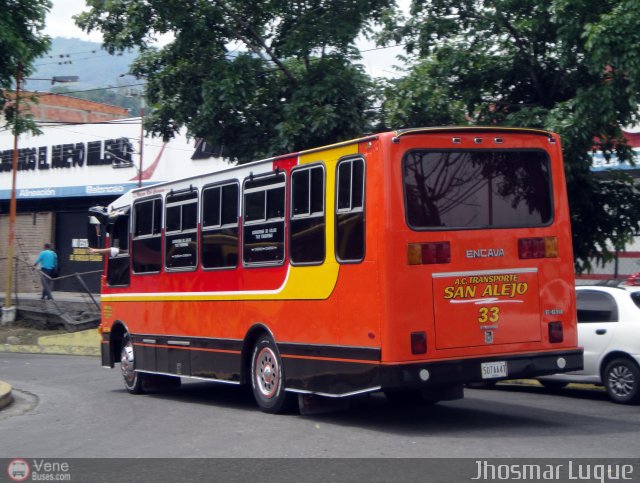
{"points": [[303, 282]]}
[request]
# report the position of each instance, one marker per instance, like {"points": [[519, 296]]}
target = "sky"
{"points": [[60, 24], [378, 63]]}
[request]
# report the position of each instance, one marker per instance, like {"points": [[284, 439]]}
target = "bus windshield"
{"points": [[477, 189]]}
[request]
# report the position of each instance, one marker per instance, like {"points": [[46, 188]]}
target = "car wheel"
{"points": [[267, 377], [553, 384], [132, 379], [621, 378]]}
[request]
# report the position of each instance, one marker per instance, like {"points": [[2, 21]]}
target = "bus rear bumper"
{"points": [[521, 366]]}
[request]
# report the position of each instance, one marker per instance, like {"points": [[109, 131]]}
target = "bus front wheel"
{"points": [[267, 377], [132, 378]]}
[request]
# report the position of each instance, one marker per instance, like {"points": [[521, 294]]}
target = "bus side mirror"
{"points": [[95, 233]]}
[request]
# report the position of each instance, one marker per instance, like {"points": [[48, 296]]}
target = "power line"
{"points": [[381, 48], [93, 51], [63, 56], [125, 121], [63, 62], [88, 90], [229, 55]]}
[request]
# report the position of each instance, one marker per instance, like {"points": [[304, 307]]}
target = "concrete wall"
{"points": [[32, 230], [58, 107]]}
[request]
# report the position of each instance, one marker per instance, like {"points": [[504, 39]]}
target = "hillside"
{"points": [[94, 67]]}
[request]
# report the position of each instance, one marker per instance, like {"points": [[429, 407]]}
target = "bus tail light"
{"points": [[555, 332], [543, 247], [418, 342], [428, 253]]}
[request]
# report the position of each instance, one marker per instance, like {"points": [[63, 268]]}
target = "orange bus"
{"points": [[409, 262]]}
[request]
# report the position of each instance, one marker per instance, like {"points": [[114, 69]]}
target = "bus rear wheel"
{"points": [[132, 379], [267, 377]]}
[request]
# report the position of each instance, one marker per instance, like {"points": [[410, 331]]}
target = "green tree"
{"points": [[258, 78], [21, 42], [570, 66]]}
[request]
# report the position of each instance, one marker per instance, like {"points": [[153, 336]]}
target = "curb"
{"points": [[5, 395], [83, 343], [535, 383]]}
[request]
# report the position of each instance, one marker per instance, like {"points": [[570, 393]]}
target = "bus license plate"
{"points": [[491, 370]]}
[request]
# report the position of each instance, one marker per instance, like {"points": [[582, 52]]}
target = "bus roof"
{"points": [[445, 129], [396, 134]]}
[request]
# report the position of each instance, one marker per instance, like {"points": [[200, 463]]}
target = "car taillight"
{"points": [[428, 253], [542, 247], [556, 333], [418, 342]]}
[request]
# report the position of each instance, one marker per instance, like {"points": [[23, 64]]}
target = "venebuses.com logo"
{"points": [[18, 470]]}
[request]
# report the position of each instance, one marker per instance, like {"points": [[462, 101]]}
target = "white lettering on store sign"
{"points": [[37, 193], [104, 189]]}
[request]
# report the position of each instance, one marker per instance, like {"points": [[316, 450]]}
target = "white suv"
{"points": [[609, 331]]}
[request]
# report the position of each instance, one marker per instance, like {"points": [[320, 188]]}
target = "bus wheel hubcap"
{"points": [[127, 363], [266, 372]]}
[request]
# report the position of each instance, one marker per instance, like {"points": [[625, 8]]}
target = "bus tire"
{"points": [[267, 377], [133, 380]]}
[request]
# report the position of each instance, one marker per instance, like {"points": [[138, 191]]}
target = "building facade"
{"points": [[71, 167]]}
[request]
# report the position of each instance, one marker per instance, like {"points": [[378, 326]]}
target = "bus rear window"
{"points": [[477, 189]]}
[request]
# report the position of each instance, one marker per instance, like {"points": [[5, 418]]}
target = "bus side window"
{"points": [[220, 226], [118, 266], [350, 227], [263, 221], [181, 231], [307, 217], [147, 236]]}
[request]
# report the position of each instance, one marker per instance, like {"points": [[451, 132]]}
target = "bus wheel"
{"points": [[267, 377], [132, 379]]}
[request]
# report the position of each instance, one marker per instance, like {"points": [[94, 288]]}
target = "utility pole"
{"points": [[142, 106], [8, 311], [141, 95]]}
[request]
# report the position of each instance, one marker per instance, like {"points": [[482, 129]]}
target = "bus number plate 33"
{"points": [[492, 370]]}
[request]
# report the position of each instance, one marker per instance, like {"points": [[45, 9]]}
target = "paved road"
{"points": [[70, 407]]}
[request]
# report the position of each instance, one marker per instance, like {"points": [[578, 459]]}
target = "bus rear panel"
{"points": [[479, 265]]}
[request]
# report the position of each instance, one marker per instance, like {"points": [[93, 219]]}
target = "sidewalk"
{"points": [[5, 395], [57, 296], [83, 343]]}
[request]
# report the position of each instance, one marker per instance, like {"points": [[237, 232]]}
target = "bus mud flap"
{"points": [[311, 404]]}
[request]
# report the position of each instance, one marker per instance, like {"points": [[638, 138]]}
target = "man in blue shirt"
{"points": [[48, 261]]}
